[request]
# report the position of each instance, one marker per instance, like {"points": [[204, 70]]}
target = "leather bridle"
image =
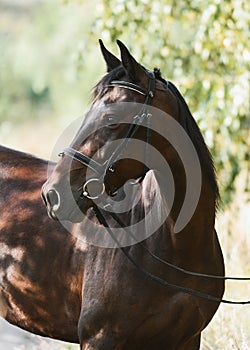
{"points": [[101, 170]]}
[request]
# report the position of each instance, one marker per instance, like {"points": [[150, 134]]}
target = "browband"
{"points": [[130, 86]]}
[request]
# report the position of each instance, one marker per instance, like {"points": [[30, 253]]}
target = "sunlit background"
{"points": [[50, 60]]}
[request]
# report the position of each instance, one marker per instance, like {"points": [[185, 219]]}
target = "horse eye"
{"points": [[111, 120]]}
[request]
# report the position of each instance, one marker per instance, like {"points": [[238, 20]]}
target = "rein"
{"points": [[187, 272], [159, 280], [102, 169]]}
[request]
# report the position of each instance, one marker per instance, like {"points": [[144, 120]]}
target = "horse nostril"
{"points": [[53, 199]]}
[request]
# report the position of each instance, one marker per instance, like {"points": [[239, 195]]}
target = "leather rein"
{"points": [[101, 171]]}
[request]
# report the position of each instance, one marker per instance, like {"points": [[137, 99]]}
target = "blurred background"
{"points": [[50, 60]]}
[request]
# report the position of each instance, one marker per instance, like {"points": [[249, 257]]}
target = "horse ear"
{"points": [[112, 62], [135, 70]]}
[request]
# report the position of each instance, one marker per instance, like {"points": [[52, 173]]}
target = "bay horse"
{"points": [[124, 300]]}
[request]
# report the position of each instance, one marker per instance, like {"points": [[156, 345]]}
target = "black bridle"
{"points": [[101, 171]]}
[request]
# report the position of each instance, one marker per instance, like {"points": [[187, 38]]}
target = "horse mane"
{"points": [[186, 120], [189, 124], [100, 88]]}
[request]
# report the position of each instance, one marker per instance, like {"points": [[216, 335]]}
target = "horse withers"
{"points": [[139, 130]]}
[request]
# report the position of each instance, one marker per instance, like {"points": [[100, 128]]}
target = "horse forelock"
{"points": [[100, 89]]}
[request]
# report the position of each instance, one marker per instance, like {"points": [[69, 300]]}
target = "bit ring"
{"points": [[86, 193]]}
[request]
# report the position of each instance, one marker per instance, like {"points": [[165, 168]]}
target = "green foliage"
{"points": [[202, 46], [43, 72]]}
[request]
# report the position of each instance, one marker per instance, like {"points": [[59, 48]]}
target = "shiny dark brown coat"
{"points": [[121, 308], [41, 264], [42, 276]]}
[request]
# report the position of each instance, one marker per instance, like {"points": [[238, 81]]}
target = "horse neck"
{"points": [[200, 227]]}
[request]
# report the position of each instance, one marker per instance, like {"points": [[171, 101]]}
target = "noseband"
{"points": [[101, 170]]}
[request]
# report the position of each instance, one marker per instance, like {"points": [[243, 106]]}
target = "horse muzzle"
{"points": [[61, 206]]}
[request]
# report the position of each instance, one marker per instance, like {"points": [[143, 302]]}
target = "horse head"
{"points": [[135, 123]]}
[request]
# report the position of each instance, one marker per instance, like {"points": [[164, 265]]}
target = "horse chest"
{"points": [[137, 322]]}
